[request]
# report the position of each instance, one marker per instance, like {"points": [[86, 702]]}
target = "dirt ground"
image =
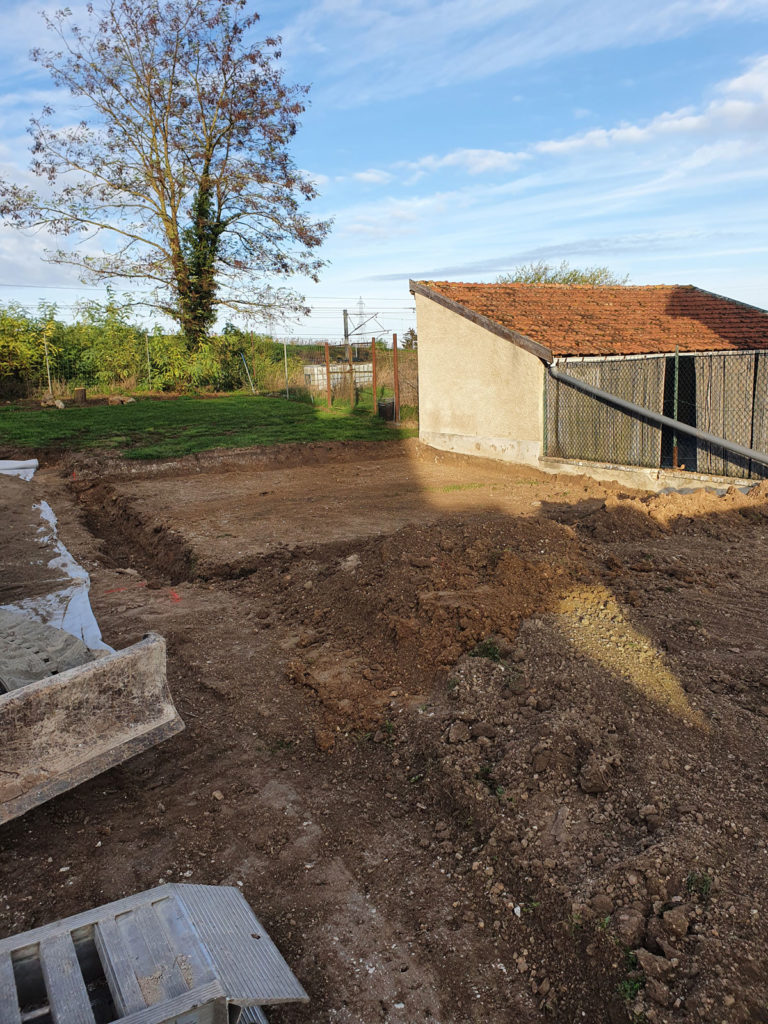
{"points": [[479, 744]]}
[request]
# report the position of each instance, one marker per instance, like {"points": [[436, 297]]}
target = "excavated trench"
{"points": [[127, 540]]}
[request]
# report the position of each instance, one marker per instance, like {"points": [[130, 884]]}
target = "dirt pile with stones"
{"points": [[584, 692]]}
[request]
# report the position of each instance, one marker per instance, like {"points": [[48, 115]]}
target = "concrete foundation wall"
{"points": [[501, 448], [643, 478], [478, 394]]}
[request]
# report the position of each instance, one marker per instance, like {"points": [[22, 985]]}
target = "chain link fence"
{"points": [[725, 394]]}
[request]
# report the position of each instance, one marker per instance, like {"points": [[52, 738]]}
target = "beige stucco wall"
{"points": [[478, 394]]}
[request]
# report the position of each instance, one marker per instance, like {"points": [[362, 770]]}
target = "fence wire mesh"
{"points": [[725, 394], [264, 364], [353, 366]]}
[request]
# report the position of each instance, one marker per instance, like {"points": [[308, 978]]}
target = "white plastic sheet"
{"points": [[24, 469], [69, 607]]}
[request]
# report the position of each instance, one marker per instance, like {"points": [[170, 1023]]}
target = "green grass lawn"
{"points": [[151, 429]]}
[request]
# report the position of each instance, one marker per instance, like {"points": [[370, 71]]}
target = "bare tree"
{"points": [[181, 169]]}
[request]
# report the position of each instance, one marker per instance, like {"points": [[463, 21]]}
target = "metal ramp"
{"points": [[177, 954]]}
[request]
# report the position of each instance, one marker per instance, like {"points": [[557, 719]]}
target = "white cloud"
{"points": [[754, 81], [740, 108], [474, 161], [373, 177], [732, 127], [22, 28], [319, 180], [36, 98], [648, 245], [371, 50]]}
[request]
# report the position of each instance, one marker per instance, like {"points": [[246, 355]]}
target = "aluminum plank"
{"points": [[174, 1008], [249, 964], [151, 958], [9, 1000], [194, 962], [118, 970], [67, 994], [88, 917], [253, 1015]]}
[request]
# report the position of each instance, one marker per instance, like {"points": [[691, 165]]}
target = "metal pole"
{"points": [[352, 389], [349, 360], [674, 409], [655, 417], [285, 353], [328, 374], [247, 372], [397, 378], [373, 377], [47, 365]]}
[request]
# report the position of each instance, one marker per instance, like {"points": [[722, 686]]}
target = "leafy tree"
{"points": [[410, 338], [20, 352], [181, 168], [544, 273], [106, 348]]}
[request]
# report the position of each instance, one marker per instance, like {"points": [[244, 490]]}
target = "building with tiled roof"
{"points": [[485, 387]]}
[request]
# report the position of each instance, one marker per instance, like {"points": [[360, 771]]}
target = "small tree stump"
{"points": [[80, 396]]}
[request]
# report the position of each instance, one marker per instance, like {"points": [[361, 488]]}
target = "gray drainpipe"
{"points": [[655, 417]]}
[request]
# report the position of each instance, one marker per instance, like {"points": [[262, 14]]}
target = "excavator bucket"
{"points": [[66, 727]]}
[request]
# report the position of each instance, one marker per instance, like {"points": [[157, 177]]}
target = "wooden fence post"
{"points": [[373, 377], [397, 378], [328, 374]]}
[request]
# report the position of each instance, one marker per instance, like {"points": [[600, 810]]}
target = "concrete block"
{"points": [[66, 728]]}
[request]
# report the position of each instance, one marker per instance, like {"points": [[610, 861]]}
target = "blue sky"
{"points": [[455, 139]]}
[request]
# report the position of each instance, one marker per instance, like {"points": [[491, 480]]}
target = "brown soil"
{"points": [[480, 733]]}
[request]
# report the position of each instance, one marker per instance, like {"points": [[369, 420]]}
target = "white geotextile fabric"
{"points": [[68, 608], [24, 469]]}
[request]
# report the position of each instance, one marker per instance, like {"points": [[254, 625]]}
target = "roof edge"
{"points": [[727, 298], [521, 340]]}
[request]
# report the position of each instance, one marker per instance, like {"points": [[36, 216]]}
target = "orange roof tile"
{"points": [[614, 320]]}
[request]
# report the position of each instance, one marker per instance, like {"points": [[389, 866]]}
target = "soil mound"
{"points": [[584, 695]]}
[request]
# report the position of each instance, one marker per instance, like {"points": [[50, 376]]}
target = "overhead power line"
{"points": [[96, 287]]}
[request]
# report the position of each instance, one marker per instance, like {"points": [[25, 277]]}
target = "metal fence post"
{"points": [[373, 377], [352, 389], [397, 378], [328, 374], [149, 363], [675, 403], [47, 365]]}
